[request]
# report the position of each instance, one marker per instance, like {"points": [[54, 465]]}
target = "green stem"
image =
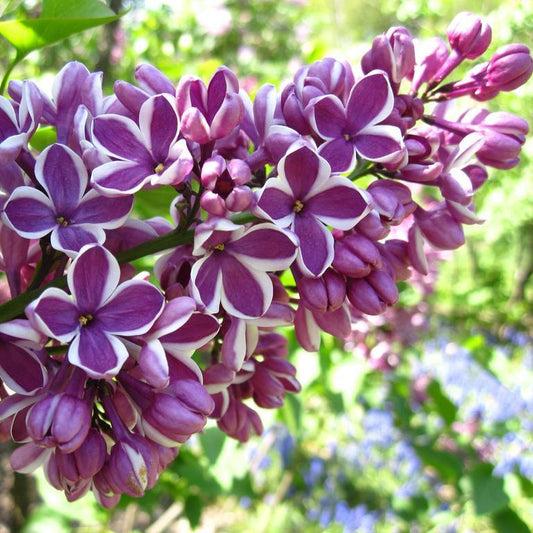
{"points": [[5, 79]]}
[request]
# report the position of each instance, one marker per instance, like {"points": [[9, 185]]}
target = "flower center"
{"points": [[298, 206], [347, 137], [159, 168], [62, 221], [219, 247], [85, 319]]}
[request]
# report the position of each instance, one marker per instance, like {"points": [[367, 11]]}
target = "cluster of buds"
{"points": [[104, 370]]}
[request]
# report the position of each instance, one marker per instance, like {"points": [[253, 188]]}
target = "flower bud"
{"points": [[440, 229], [325, 293], [469, 35], [356, 255], [510, 67]]}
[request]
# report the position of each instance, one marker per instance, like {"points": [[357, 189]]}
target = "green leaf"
{"points": [[488, 491], [212, 441], [60, 19], [507, 520], [193, 509], [291, 413], [448, 465], [442, 404], [75, 9]]}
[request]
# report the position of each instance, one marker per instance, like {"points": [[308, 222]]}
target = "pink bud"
{"points": [[469, 35], [510, 67]]}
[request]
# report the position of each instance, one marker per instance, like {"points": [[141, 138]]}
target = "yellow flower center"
{"points": [[219, 247], [84, 319], [159, 168], [298, 206], [62, 221]]}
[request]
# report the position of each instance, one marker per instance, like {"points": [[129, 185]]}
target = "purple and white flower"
{"points": [[305, 197], [73, 216], [98, 313]]}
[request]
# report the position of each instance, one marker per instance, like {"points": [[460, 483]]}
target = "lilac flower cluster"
{"points": [[104, 373]]}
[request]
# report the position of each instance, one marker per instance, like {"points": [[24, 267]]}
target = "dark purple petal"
{"points": [[30, 212], [264, 247], [197, 331], [64, 176], [20, 369], [92, 278], [276, 202], [159, 126], [300, 168], [71, 239], [339, 205], [370, 102], [246, 293], [132, 309], [120, 137], [339, 153], [108, 212], [206, 282], [316, 245], [376, 145], [99, 354], [121, 177], [56, 314], [327, 116]]}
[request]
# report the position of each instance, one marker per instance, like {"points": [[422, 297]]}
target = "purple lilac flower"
{"points": [[147, 154], [356, 128], [73, 216], [99, 312], [305, 197], [233, 263]]}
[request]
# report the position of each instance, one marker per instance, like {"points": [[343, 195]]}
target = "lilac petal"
{"points": [[339, 205], [30, 213], [63, 175], [276, 203], [227, 117], [20, 369], [306, 329], [197, 331], [264, 247], [316, 245], [301, 168], [174, 315], [55, 314], [234, 346], [154, 364], [109, 213], [10, 148], [370, 101], [99, 354], [246, 293], [327, 116], [119, 137], [159, 126], [179, 169], [71, 239], [132, 309], [336, 323], [194, 126], [379, 143], [92, 278], [206, 279], [28, 457], [339, 153], [121, 177]]}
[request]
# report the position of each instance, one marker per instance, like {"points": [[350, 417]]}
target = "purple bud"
{"points": [[510, 67], [90, 456], [363, 297], [325, 293], [356, 255], [440, 228], [469, 35]]}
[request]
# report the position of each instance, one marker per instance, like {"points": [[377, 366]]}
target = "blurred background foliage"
{"points": [[427, 430]]}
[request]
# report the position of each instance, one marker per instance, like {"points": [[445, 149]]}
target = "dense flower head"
{"points": [[112, 369]]}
